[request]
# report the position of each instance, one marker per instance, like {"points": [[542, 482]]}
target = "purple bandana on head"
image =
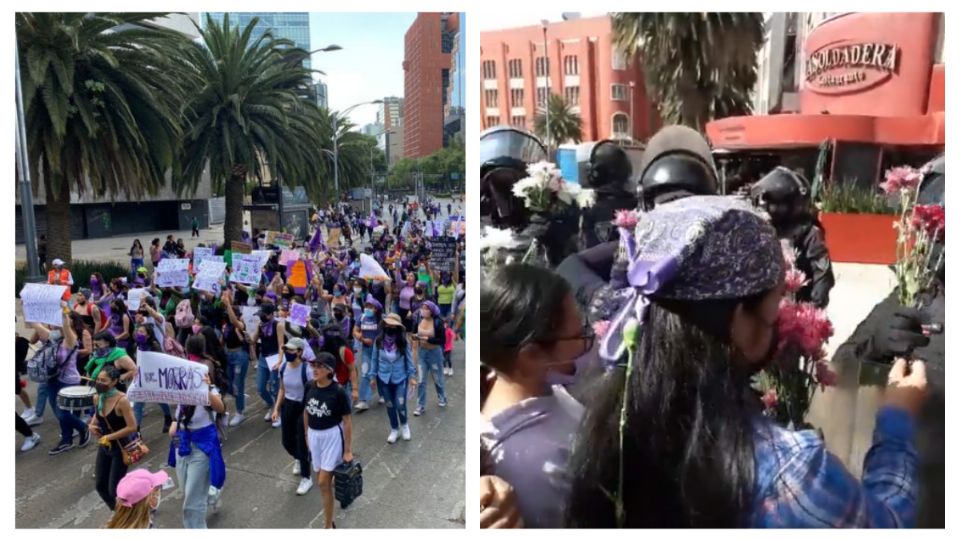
{"points": [[434, 310]]}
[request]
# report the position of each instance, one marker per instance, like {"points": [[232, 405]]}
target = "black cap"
{"points": [[325, 359], [267, 309]]}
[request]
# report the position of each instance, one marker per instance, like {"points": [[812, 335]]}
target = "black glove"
{"points": [[898, 337]]}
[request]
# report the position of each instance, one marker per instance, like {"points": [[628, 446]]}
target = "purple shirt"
{"points": [[69, 375]]}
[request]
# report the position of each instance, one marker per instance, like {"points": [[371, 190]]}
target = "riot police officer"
{"points": [[608, 174], [505, 153], [785, 196]]}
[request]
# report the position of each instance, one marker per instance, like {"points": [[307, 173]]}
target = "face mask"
{"points": [[419, 292], [357, 290], [102, 388], [55, 335], [290, 356], [566, 379], [197, 328], [368, 313], [94, 282], [422, 270], [264, 318], [337, 294], [103, 351], [141, 339]]}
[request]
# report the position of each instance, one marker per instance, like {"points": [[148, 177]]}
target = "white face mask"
{"points": [[251, 301]]}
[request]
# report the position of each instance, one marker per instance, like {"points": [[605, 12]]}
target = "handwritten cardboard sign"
{"points": [[443, 254], [209, 275], [246, 269], [200, 254], [134, 297], [281, 240], [41, 303], [173, 273], [289, 255], [263, 255], [250, 315], [299, 314], [162, 378], [240, 247], [371, 269]]}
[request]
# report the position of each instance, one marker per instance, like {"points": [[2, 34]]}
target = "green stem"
{"points": [[621, 515]]}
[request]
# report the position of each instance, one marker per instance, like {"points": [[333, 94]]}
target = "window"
{"points": [[618, 92], [542, 66], [619, 60], [489, 69], [572, 95], [518, 121], [490, 97], [493, 121], [570, 65], [516, 97], [620, 126], [542, 94], [515, 67]]}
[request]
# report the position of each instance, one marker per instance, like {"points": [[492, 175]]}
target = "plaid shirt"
{"points": [[800, 484]]}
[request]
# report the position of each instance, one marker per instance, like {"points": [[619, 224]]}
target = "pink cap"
{"points": [[136, 485]]}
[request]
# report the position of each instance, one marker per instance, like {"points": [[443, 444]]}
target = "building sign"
{"points": [[845, 67]]}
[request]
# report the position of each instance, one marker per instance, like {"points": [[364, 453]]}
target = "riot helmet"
{"points": [[609, 166], [676, 163], [505, 153], [782, 193]]}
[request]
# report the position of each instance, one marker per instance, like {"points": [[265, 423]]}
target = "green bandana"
{"points": [[97, 362]]}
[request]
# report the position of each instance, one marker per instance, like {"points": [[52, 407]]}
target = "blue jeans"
{"points": [[238, 362], [268, 382], [134, 264], [431, 362], [68, 421], [41, 403], [395, 397], [193, 471], [364, 393], [138, 411]]}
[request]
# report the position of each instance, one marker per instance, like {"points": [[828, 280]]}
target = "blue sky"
{"points": [[369, 67]]}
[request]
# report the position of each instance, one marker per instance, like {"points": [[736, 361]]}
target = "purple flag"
{"points": [[316, 242]]}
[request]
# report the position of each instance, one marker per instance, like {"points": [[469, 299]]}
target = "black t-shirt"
{"points": [[23, 346], [326, 406]]}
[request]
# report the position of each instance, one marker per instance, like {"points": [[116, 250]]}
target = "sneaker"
{"points": [[418, 411], [276, 424], [30, 442], [60, 448], [28, 413], [442, 403], [382, 400], [213, 500], [269, 416], [405, 432], [451, 372], [361, 406], [34, 420], [296, 469], [305, 485], [392, 437], [235, 421], [225, 420], [84, 438]]}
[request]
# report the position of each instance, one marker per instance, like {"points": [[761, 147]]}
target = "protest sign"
{"points": [[281, 240], [289, 255], [263, 255], [371, 269], [439, 227], [173, 273], [200, 254], [246, 269], [162, 378], [250, 315], [297, 276], [240, 247], [299, 314], [134, 297], [208, 276], [41, 303], [443, 254], [333, 237]]}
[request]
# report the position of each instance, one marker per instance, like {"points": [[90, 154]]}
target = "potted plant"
{"points": [[858, 223]]}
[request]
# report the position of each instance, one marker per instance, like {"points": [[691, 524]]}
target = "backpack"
{"points": [[44, 365], [184, 314], [303, 372], [103, 316]]}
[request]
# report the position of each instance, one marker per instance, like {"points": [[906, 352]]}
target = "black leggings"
{"points": [[292, 435], [110, 469], [23, 428]]}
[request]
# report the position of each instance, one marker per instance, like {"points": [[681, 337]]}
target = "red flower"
{"points": [[769, 399], [901, 179], [626, 219], [930, 218], [803, 326], [795, 280]]}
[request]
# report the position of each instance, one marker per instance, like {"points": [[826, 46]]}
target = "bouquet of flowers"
{"points": [[919, 229], [545, 189], [787, 385], [492, 242]]}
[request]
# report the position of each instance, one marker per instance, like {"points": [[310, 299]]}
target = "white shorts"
{"points": [[326, 448]]}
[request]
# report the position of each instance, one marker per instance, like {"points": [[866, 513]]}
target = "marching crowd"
{"points": [[621, 340], [382, 321]]}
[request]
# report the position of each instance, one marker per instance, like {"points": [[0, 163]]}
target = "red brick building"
{"points": [[603, 86], [427, 46]]}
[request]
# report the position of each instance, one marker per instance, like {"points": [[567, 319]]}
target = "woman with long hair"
{"points": [[675, 437], [138, 498], [366, 330], [66, 354], [393, 366], [136, 257], [111, 426], [346, 368], [530, 327], [121, 327], [430, 337], [145, 337], [198, 457]]}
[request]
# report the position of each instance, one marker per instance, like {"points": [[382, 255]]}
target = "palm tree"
{"points": [[698, 66], [565, 125], [249, 114], [101, 108]]}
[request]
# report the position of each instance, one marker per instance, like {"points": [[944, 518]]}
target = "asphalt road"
{"points": [[414, 484]]}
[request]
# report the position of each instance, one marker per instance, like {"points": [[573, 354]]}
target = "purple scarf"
{"points": [[389, 343]]}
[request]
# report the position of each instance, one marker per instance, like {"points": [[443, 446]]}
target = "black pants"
{"points": [[23, 428], [292, 435], [407, 323], [195, 232], [446, 359], [110, 469]]}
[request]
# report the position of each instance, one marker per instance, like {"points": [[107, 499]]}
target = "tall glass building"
{"points": [[294, 26]]}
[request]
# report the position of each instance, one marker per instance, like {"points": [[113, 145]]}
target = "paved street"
{"points": [[415, 484]]}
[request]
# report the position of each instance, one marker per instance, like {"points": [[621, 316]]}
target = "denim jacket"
{"points": [[207, 440], [392, 371]]}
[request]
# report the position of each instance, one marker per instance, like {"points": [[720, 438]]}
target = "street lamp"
{"points": [[546, 69], [26, 195], [630, 124], [386, 132], [336, 141]]}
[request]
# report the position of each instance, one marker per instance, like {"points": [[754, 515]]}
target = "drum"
{"points": [[76, 399]]}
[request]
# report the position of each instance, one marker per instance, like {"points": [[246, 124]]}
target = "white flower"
{"points": [[569, 193], [493, 238], [586, 198], [522, 189], [543, 169]]}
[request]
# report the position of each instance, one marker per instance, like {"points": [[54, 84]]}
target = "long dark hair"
{"points": [[196, 345], [333, 339], [688, 435], [401, 339]]}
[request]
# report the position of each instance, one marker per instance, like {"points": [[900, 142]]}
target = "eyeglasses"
{"points": [[587, 336]]}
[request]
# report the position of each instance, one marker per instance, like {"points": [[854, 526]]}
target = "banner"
{"points": [[240, 247], [371, 269], [41, 303], [173, 273], [299, 314], [246, 269], [134, 297], [443, 254], [162, 378], [289, 255]]}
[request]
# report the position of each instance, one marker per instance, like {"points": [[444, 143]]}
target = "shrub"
{"points": [[849, 198]]}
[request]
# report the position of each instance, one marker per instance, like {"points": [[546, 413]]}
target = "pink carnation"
{"points": [[803, 326], [626, 219], [930, 218], [901, 179], [825, 376], [600, 328], [769, 398], [795, 280]]}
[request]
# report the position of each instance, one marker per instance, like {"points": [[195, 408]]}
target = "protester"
{"points": [[445, 292], [330, 442], [450, 336], [107, 352], [430, 339], [365, 333], [59, 275], [265, 345], [194, 227], [238, 359], [393, 364], [138, 498], [111, 426], [146, 339], [136, 257], [294, 381], [155, 252], [88, 311]]}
